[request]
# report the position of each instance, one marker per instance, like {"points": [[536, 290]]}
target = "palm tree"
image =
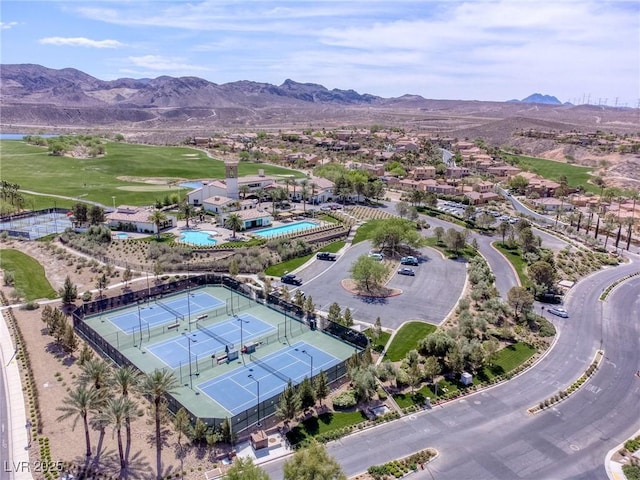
{"points": [[187, 211], [235, 223], [244, 190], [609, 223], [158, 217], [633, 195], [261, 194], [113, 414], [97, 372], [78, 404], [156, 385], [304, 193], [126, 379]]}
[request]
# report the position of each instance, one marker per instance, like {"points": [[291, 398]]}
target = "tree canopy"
{"points": [[393, 233]]}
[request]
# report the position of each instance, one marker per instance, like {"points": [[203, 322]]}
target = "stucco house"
{"points": [[136, 219]]}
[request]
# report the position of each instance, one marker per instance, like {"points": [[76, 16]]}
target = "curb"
{"points": [[614, 469], [16, 412]]}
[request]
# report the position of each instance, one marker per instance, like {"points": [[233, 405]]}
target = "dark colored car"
{"points": [[409, 261], [407, 271], [326, 256], [290, 279]]}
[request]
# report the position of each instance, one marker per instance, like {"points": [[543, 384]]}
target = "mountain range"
{"points": [[40, 97]]}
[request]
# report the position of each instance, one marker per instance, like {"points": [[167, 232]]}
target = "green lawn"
{"points": [[29, 276], [407, 339], [325, 422], [119, 173], [290, 265], [380, 342], [467, 252], [365, 231], [513, 255], [576, 175], [506, 360]]}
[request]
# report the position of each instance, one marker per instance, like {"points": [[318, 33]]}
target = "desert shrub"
{"points": [[346, 399]]}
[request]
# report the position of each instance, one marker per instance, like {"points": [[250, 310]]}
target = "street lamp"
{"points": [[258, 385], [311, 358], [189, 361]]}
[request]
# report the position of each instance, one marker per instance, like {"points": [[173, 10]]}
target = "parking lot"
{"points": [[458, 210], [428, 295]]}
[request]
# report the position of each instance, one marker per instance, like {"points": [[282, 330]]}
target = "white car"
{"points": [[559, 311]]}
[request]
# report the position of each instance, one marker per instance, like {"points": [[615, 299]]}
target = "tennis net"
{"points": [[268, 368], [170, 310], [218, 338]]}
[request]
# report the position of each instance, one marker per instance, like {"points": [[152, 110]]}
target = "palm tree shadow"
{"points": [[138, 468]]}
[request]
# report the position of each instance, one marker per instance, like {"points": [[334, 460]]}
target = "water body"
{"points": [[20, 136]]}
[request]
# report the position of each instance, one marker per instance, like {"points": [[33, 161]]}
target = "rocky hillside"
{"points": [[34, 98]]}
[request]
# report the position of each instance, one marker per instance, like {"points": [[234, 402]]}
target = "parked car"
{"points": [[406, 271], [290, 279], [559, 311], [326, 256], [409, 261], [377, 255]]}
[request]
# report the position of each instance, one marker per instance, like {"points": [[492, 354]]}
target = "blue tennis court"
{"points": [[209, 340], [156, 314], [237, 392]]}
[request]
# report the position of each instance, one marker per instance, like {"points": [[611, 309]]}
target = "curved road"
{"points": [[489, 435]]}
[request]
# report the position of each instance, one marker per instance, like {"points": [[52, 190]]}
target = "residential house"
{"points": [[424, 173], [503, 171], [483, 187], [256, 217], [136, 219], [457, 172], [479, 198], [552, 204]]}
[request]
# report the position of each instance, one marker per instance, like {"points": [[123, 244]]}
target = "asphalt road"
{"points": [[489, 435], [428, 296]]}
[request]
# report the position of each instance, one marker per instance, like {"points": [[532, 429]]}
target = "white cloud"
{"points": [[80, 42], [159, 63], [7, 25]]}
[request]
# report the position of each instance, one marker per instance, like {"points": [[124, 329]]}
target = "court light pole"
{"points": [[258, 384], [188, 299], [189, 350], [140, 323], [311, 358]]}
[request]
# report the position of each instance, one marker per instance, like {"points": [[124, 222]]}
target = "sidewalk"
{"points": [[18, 438], [277, 448], [613, 467]]}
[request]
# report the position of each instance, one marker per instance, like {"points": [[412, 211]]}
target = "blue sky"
{"points": [[447, 49]]}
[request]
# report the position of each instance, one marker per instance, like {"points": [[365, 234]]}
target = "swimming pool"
{"points": [[201, 238], [122, 235], [284, 229], [191, 184]]}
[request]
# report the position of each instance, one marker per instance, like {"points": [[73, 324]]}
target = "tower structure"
{"points": [[231, 178]]}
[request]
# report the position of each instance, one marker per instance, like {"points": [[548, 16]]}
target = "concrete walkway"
{"points": [[18, 461]]}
